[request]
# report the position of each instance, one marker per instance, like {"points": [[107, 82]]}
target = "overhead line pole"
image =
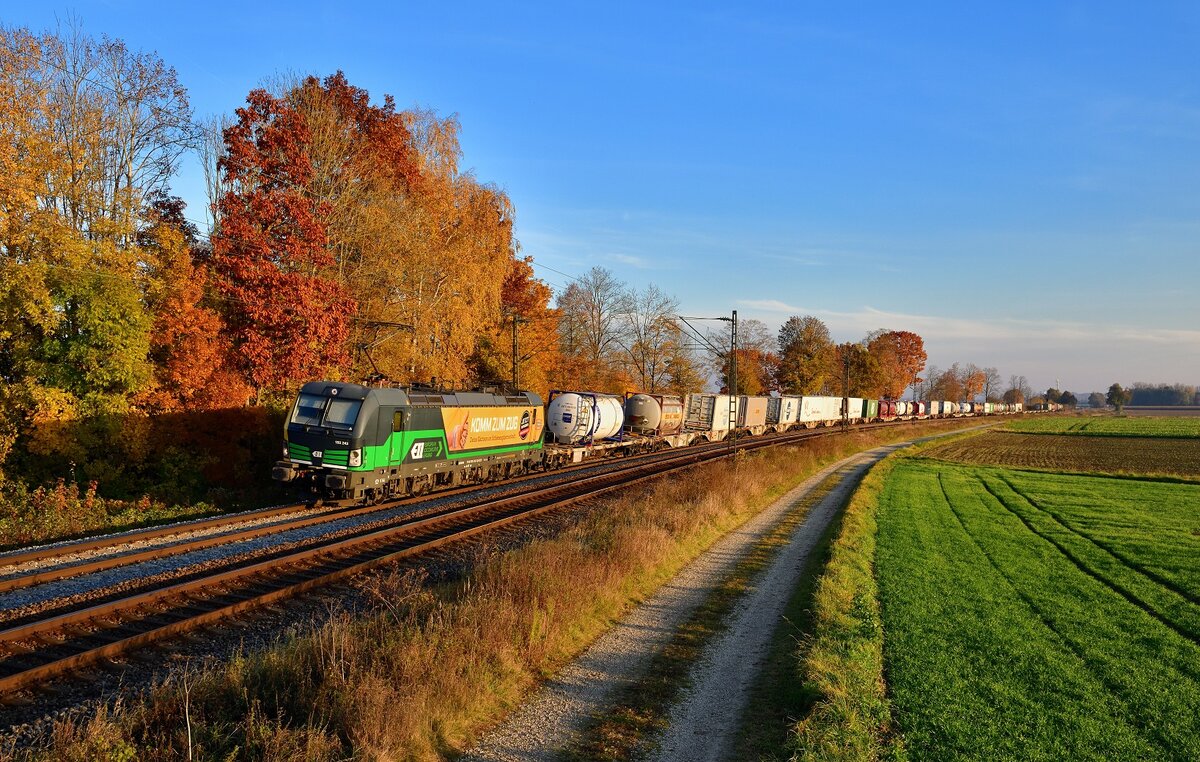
{"points": [[732, 380], [516, 354]]}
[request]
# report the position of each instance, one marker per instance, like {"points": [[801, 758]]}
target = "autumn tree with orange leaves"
{"points": [[899, 358], [527, 300], [189, 347], [418, 244]]}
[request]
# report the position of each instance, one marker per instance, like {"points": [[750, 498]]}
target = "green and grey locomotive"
{"points": [[346, 442]]}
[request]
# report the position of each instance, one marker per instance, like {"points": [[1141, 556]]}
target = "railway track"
{"points": [[293, 516], [72, 637]]}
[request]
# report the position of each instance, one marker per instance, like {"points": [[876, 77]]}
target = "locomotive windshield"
{"points": [[342, 413], [309, 409], [331, 412]]}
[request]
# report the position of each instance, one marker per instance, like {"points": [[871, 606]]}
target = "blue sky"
{"points": [[1019, 183]]}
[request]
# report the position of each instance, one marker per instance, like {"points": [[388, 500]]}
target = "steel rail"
{"points": [[137, 535], [358, 553], [103, 541], [59, 644], [70, 570], [80, 568]]}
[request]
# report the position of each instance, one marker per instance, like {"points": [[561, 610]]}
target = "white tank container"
{"points": [[578, 417]]}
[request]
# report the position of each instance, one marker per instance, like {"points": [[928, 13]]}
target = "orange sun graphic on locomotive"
{"points": [[459, 434]]}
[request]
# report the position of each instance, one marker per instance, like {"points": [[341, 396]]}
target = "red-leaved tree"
{"points": [[287, 317]]}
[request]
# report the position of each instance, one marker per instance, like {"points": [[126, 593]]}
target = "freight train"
{"points": [[366, 444]]}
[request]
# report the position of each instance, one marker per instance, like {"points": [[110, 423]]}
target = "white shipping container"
{"points": [[708, 412], [752, 411], [820, 409], [789, 410], [855, 407]]}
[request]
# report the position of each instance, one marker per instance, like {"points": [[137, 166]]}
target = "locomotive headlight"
{"points": [[355, 458], [285, 450]]}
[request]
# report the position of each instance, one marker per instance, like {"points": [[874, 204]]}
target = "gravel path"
{"points": [[705, 724], [545, 725]]}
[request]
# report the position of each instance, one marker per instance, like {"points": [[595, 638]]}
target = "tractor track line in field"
{"points": [[1036, 610], [1130, 596], [1150, 573]]}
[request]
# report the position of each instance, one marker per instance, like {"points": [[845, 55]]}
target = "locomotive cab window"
{"points": [[309, 408], [398, 420], [342, 413]]}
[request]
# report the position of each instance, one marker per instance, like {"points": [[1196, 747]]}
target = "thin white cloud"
{"points": [[773, 306], [633, 261], [1074, 354]]}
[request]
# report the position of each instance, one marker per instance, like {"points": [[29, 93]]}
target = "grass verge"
{"points": [[850, 718], [67, 512], [421, 676]]}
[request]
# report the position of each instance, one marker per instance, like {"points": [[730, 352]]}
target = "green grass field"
{"points": [[1040, 616], [1110, 426]]}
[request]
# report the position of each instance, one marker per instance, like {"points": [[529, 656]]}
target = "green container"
{"points": [[870, 409]]}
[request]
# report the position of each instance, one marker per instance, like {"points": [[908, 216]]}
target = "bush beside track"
{"points": [[117, 472], [456, 657]]}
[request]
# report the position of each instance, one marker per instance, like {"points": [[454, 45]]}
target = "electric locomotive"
{"points": [[352, 443]]}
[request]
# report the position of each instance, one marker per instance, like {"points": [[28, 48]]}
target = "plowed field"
{"points": [[1070, 452], [1111, 426]]}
